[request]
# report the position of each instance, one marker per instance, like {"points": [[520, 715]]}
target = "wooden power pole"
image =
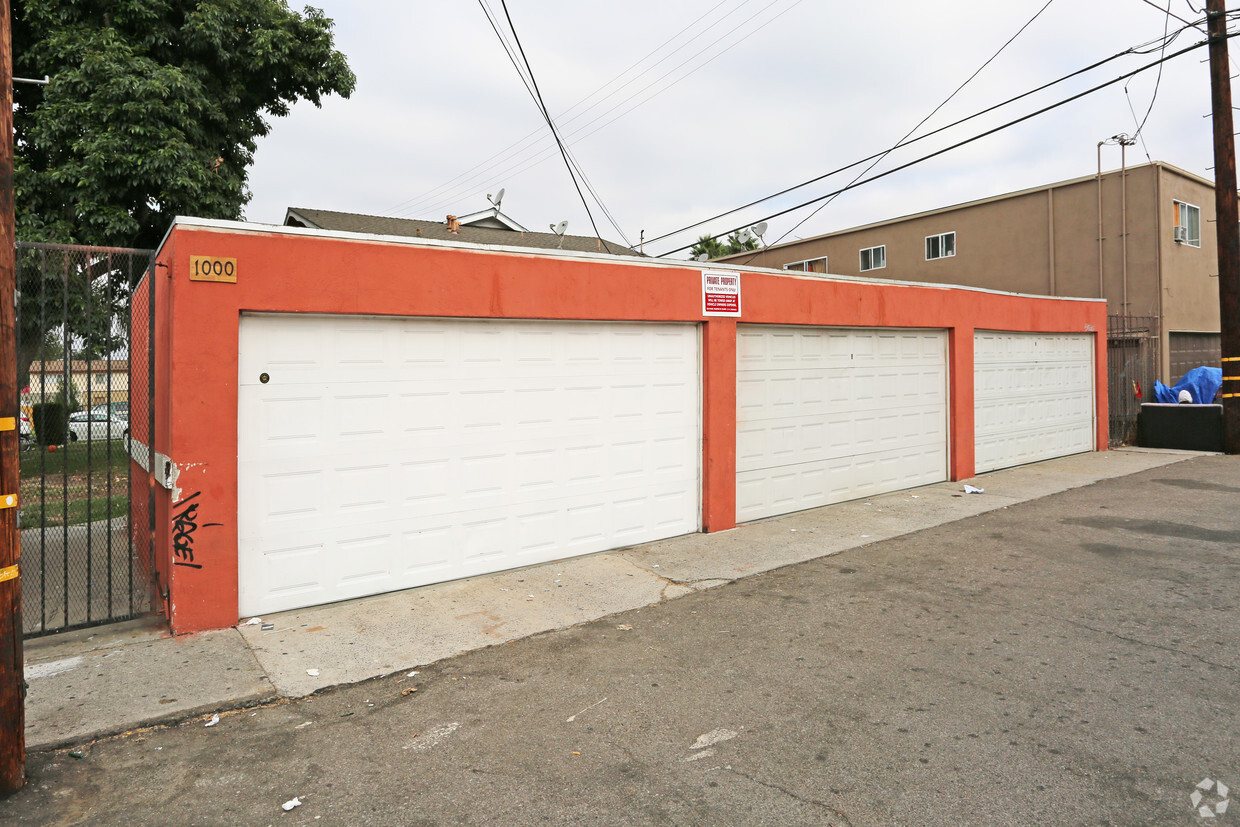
{"points": [[12, 680], [1228, 222]]}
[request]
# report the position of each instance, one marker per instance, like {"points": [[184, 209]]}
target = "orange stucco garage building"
{"points": [[339, 414]]}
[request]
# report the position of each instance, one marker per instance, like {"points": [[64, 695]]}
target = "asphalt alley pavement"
{"points": [[1069, 659], [111, 679]]}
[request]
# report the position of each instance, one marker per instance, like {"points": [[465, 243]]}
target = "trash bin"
{"points": [[1186, 427]]}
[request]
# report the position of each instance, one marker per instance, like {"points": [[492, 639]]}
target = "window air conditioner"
{"points": [[1181, 234]]}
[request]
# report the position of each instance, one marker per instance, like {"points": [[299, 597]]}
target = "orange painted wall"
{"points": [[197, 340]]}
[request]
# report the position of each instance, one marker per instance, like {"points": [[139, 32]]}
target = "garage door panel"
{"points": [[819, 438], [1190, 350], [448, 487], [450, 353], [473, 446], [825, 415], [463, 487], [528, 410], [784, 393], [427, 550], [296, 568], [1033, 397], [795, 488], [318, 563]]}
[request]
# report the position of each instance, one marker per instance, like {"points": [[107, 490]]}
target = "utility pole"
{"points": [[12, 679], [1228, 222]]}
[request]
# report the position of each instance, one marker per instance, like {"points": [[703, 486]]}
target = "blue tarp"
{"points": [[1203, 383]]}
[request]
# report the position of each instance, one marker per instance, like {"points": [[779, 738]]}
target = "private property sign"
{"points": [[721, 293]]}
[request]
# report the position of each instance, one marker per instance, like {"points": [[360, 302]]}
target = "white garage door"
{"points": [[1033, 397], [378, 454], [832, 414]]}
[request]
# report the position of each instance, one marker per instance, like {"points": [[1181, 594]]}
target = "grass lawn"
{"points": [[76, 483]]}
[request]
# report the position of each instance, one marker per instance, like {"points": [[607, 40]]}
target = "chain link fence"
{"points": [[79, 564]]}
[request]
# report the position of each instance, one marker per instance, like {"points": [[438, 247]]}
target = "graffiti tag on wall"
{"points": [[184, 524]]}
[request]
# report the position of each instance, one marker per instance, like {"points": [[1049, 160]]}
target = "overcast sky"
{"points": [[694, 107]]}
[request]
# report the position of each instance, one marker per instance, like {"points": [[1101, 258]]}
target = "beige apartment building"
{"points": [[1143, 240], [93, 383]]}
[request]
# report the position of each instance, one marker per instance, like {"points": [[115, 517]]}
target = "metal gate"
{"points": [[80, 565], [1132, 367]]}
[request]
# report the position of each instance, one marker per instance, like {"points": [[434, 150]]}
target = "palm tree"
{"points": [[713, 248]]}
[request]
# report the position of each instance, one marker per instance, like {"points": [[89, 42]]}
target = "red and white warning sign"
{"points": [[721, 293]]}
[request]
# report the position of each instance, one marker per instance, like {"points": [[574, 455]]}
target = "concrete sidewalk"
{"points": [[107, 680]]}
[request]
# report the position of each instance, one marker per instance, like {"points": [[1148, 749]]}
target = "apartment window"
{"points": [[1187, 224], [874, 258], [940, 246], [810, 265]]}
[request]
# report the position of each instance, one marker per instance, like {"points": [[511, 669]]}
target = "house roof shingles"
{"points": [[413, 228]]}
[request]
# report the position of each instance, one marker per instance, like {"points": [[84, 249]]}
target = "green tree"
{"points": [[714, 248], [154, 108]]}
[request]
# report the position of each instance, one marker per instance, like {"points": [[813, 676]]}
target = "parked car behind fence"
{"points": [[97, 426]]}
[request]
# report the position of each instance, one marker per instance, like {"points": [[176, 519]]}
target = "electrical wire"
{"points": [[527, 79], [517, 169], [542, 107], [543, 154], [537, 101], [538, 132], [920, 123], [1132, 50], [965, 142], [1157, 82], [1194, 8], [1176, 16]]}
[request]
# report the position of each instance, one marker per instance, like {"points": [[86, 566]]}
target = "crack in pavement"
{"points": [[1140, 642], [794, 796], [944, 602], [685, 584]]}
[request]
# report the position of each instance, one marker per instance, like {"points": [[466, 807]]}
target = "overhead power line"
{"points": [[527, 78], [1176, 16], [1157, 83], [538, 132], [447, 192], [922, 122], [1132, 50], [954, 146], [532, 86]]}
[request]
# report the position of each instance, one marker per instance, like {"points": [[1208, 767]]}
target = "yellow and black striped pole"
{"points": [[1231, 364], [1228, 222], [12, 697]]}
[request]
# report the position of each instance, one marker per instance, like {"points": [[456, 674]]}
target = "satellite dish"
{"points": [[559, 229], [499, 196], [703, 257], [758, 229]]}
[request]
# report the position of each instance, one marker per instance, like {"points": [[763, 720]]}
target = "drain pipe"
{"points": [[1124, 143], [1101, 291]]}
